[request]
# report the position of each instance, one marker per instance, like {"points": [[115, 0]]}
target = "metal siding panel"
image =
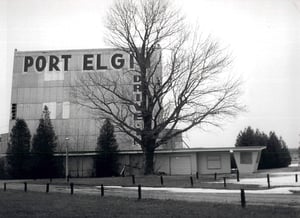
{"points": [[40, 80], [26, 95], [59, 94], [84, 127], [20, 95], [48, 94], [76, 62], [65, 128], [33, 95], [53, 91], [74, 113], [40, 95], [93, 127], [36, 111], [14, 95], [61, 143], [18, 65], [15, 79], [59, 110], [67, 76], [26, 111], [80, 142], [20, 110], [30, 112], [75, 127]]}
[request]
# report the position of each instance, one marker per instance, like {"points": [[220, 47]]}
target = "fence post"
{"points": [[102, 190], [237, 175], [268, 180], [72, 187], [224, 178], [161, 180], [296, 177], [133, 179], [139, 192], [197, 175], [47, 187], [25, 186], [4, 186], [192, 182], [215, 176], [243, 198]]}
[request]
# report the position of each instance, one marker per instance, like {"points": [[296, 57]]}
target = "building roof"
{"points": [[191, 150], [169, 151]]}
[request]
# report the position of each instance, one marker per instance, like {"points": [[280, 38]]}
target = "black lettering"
{"points": [[28, 62], [136, 88], [99, 67], [131, 61], [136, 78], [138, 106], [138, 97], [40, 63], [88, 62], [66, 61], [137, 116], [53, 63], [117, 61]]}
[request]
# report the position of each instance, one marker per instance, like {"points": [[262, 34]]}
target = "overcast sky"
{"points": [[263, 37]]}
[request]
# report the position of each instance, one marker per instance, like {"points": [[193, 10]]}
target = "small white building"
{"points": [[193, 160], [176, 161]]}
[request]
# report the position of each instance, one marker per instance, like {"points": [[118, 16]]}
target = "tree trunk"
{"points": [[149, 165]]}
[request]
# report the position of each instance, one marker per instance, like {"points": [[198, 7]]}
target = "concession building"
{"points": [[45, 78]]}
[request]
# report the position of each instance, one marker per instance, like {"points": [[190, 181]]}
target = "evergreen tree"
{"points": [[18, 150], [106, 161], [261, 138], [246, 138], [276, 153], [43, 147], [272, 152], [285, 157]]}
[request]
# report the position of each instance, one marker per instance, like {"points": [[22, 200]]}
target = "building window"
{"points": [[13, 111], [213, 162], [66, 110], [246, 157]]}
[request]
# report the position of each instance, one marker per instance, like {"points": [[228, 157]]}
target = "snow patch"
{"points": [[276, 179], [280, 190]]}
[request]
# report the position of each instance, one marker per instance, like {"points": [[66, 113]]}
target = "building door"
{"points": [[181, 165]]}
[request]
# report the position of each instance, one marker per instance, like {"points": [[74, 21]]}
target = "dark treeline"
{"points": [[36, 159], [106, 160], [275, 155]]}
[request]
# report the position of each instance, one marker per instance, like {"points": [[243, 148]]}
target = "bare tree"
{"points": [[183, 88]]}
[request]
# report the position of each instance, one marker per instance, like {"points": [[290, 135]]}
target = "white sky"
{"points": [[262, 35]]}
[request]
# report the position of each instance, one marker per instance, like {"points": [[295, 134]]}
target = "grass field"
{"points": [[204, 181], [19, 204], [151, 181]]}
